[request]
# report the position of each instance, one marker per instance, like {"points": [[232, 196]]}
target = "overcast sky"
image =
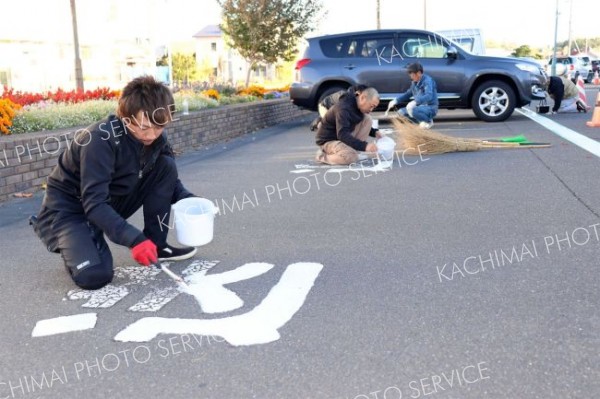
{"points": [[518, 21]]}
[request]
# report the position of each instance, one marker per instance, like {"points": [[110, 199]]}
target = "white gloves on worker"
{"points": [[410, 107], [391, 105]]}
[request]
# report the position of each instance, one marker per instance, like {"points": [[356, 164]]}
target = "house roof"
{"points": [[209, 31]]}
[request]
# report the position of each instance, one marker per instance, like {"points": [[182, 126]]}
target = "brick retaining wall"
{"points": [[27, 159]]}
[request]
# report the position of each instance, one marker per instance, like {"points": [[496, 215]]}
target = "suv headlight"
{"points": [[528, 68]]}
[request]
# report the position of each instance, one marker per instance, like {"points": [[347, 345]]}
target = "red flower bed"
{"points": [[59, 96]]}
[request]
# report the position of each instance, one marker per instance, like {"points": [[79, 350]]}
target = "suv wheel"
{"points": [[493, 101], [330, 90]]}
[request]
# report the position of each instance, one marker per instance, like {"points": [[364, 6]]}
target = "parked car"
{"points": [[595, 66], [575, 64], [491, 86]]}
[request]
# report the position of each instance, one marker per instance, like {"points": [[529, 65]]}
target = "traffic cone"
{"points": [[595, 122], [596, 79], [582, 96]]}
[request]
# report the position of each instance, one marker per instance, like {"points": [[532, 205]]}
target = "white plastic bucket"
{"points": [[194, 221], [385, 148]]}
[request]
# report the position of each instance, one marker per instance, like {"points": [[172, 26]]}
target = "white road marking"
{"points": [[209, 290], [64, 324], [574, 137], [258, 326], [381, 166]]}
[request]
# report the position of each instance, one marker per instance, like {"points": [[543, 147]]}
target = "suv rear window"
{"points": [[335, 47], [358, 46], [371, 47]]}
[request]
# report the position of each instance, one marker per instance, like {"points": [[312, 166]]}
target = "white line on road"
{"points": [[258, 326], [64, 324], [578, 139]]}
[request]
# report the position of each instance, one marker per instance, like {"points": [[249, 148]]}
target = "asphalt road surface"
{"points": [[465, 275]]}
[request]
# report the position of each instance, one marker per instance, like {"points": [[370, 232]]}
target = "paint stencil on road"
{"points": [[111, 294], [155, 300], [257, 326]]}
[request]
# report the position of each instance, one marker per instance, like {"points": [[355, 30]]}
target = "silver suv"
{"points": [[491, 86]]}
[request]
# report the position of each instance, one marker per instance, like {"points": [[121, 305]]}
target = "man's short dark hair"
{"points": [[414, 68], [150, 96]]}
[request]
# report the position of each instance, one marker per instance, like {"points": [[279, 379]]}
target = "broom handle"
{"points": [[513, 139], [487, 144]]}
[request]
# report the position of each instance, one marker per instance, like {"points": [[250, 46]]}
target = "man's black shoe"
{"points": [[581, 107], [172, 253], [315, 124]]}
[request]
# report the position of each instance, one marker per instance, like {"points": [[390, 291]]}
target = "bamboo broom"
{"points": [[413, 140]]}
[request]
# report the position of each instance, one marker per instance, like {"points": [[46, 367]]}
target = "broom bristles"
{"points": [[413, 140]]}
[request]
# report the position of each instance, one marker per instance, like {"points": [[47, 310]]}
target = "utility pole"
{"points": [[378, 14], [78, 69], [425, 14], [553, 68], [170, 62], [570, 21]]}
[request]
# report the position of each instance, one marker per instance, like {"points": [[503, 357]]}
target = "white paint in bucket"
{"points": [[194, 221], [385, 148]]}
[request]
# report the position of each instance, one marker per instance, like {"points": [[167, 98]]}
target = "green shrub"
{"points": [[195, 101], [225, 90], [237, 99]]}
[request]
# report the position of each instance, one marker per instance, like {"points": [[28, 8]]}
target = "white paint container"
{"points": [[375, 123], [385, 148], [194, 221]]}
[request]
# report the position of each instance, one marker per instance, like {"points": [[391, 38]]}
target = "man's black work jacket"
{"points": [[102, 162], [339, 123]]}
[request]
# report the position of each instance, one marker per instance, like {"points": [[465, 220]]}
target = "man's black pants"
{"points": [[82, 245]]}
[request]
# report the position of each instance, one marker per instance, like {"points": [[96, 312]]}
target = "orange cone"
{"points": [[595, 122], [582, 96], [596, 79]]}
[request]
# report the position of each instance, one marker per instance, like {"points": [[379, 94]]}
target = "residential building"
{"points": [[224, 63]]}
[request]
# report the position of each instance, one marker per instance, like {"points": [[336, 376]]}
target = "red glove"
{"points": [[145, 253]]}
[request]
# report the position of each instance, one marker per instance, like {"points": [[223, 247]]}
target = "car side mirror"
{"points": [[452, 52]]}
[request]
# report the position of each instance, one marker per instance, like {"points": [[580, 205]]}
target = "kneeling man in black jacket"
{"points": [[344, 129], [109, 171]]}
